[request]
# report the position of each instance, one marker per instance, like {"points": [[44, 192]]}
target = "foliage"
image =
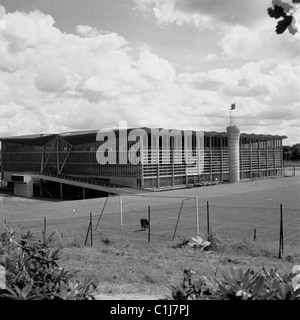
{"points": [[191, 289], [215, 241], [180, 242], [239, 285], [291, 152], [281, 9], [105, 240], [33, 273]]}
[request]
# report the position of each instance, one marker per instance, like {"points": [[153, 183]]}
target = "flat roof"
{"points": [[86, 136]]}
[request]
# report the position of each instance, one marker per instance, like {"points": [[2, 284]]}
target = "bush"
{"points": [[33, 273], [193, 289], [240, 285], [215, 241], [180, 242]]}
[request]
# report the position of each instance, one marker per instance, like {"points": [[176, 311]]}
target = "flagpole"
{"points": [[232, 115]]}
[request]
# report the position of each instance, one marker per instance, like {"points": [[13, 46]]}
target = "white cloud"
{"points": [[166, 12], [260, 42], [54, 81], [203, 14], [66, 81]]}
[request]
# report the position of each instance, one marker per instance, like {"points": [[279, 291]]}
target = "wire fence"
{"points": [[291, 170], [118, 219]]}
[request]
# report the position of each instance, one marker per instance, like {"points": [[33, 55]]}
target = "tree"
{"points": [[296, 151], [286, 11], [287, 153], [291, 152]]}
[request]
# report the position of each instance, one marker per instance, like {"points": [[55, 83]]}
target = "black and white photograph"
{"points": [[150, 153]]}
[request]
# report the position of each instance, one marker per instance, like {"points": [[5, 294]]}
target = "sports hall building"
{"points": [[68, 163]]}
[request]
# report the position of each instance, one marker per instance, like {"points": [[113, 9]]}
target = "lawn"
{"points": [[123, 261], [235, 210]]}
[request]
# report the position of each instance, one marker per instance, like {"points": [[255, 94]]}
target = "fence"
{"points": [[291, 170], [118, 219]]}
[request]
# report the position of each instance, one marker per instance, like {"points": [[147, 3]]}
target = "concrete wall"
{"points": [[125, 181], [24, 189]]}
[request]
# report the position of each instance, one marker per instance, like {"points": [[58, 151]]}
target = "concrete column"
{"points": [[222, 159], [158, 181], [250, 157], [41, 188], [234, 157], [210, 159], [61, 190], [259, 158], [267, 157], [241, 160]]}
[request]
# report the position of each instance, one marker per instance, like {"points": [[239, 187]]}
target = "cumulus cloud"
{"points": [[52, 81], [266, 95], [233, 12], [206, 13], [259, 43], [67, 81], [167, 11]]}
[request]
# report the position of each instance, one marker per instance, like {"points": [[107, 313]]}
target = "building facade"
{"points": [[163, 158]]}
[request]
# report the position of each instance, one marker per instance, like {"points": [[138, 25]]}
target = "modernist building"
{"points": [[161, 160]]}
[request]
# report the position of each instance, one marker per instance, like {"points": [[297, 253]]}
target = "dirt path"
{"points": [[127, 297]]}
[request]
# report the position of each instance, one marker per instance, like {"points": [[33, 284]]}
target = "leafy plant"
{"points": [[240, 285], [215, 241], [193, 289], [244, 286], [180, 242], [105, 240], [32, 270]]}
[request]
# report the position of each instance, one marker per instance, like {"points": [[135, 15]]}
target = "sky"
{"points": [[88, 64]]}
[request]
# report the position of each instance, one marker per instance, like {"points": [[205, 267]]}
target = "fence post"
{"points": [[101, 212], [197, 215], [45, 225], [280, 234], [91, 224], [254, 237], [281, 227], [121, 210], [149, 224], [178, 219], [207, 213], [86, 238]]}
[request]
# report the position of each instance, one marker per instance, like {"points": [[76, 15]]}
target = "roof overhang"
{"points": [[81, 137]]}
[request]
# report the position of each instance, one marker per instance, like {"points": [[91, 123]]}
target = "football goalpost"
{"points": [[155, 198]]}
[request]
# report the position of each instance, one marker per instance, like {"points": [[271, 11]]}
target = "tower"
{"points": [[233, 148]]}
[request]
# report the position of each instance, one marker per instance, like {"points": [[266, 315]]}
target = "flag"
{"points": [[232, 106]]}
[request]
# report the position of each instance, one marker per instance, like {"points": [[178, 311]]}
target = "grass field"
{"points": [[129, 267], [235, 210]]}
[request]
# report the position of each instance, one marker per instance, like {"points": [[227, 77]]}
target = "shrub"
{"points": [[240, 285], [192, 289], [215, 241], [105, 240], [180, 242], [33, 273]]}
